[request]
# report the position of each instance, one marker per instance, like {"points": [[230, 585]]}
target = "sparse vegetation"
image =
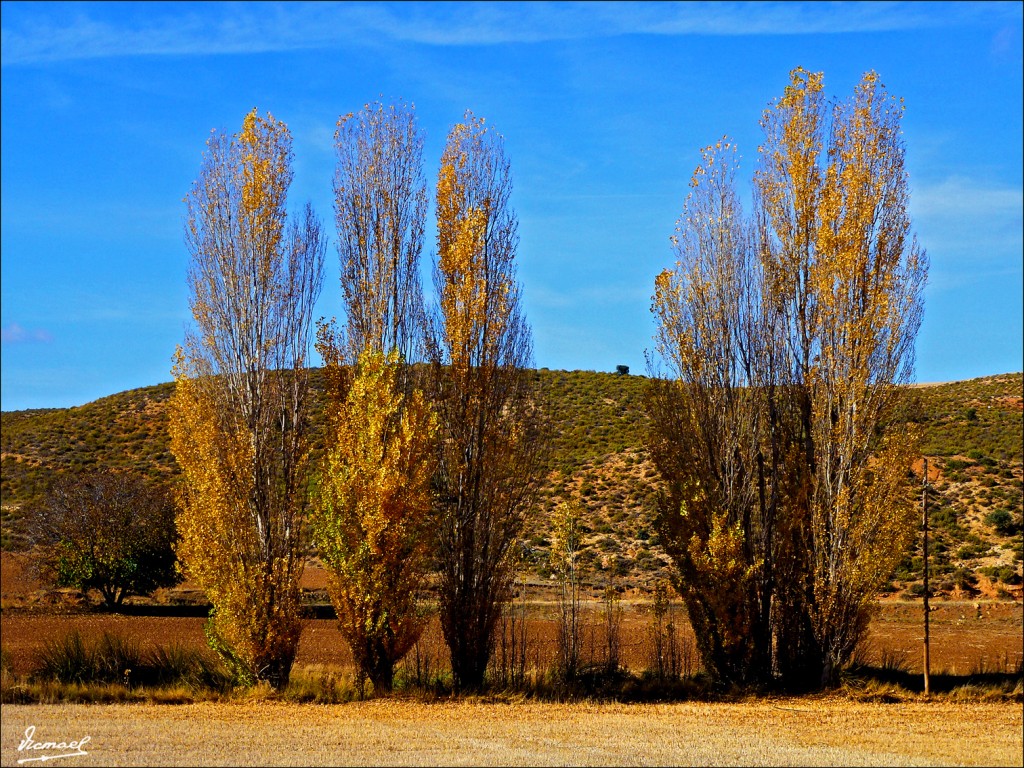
{"points": [[112, 659], [132, 427]]}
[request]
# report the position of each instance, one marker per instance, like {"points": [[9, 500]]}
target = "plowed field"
{"points": [[964, 636]]}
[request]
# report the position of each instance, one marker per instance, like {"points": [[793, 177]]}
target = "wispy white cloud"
{"points": [[816, 18], [962, 196], [972, 231], [34, 33], [959, 214], [13, 333]]}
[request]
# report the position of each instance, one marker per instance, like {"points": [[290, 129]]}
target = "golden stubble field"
{"points": [[803, 731]]}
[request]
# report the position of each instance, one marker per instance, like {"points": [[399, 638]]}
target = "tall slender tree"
{"points": [[481, 349], [566, 547], [849, 280], [373, 522], [708, 426], [238, 416], [779, 430]]}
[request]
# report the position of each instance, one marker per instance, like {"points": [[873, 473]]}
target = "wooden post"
{"points": [[924, 520]]}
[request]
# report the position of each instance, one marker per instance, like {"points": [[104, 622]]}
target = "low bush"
{"points": [[117, 660], [67, 660], [1003, 522], [965, 579], [973, 549], [1005, 574]]}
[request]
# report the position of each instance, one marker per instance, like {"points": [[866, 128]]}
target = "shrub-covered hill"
{"points": [[972, 433]]}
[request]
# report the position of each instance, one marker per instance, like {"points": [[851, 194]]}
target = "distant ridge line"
{"points": [[912, 385]]}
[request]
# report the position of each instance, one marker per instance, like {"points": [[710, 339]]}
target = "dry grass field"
{"points": [[805, 731]]}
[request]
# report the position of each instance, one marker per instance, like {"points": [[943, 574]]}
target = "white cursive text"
{"points": [[29, 743]]}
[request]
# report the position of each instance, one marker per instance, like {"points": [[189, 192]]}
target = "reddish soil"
{"points": [[964, 638], [965, 635]]}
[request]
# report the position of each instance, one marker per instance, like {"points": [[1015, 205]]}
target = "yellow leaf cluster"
{"points": [[218, 547], [372, 513]]}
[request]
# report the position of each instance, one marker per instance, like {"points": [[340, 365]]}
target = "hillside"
{"points": [[973, 432]]}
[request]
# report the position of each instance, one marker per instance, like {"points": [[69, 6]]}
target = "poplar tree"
{"points": [[380, 205], [847, 278], [779, 427], [238, 417], [481, 352], [708, 426], [373, 523]]}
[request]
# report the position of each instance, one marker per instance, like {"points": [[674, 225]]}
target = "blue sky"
{"points": [[604, 108]]}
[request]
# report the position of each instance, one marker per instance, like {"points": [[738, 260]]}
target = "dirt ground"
{"points": [[806, 731], [965, 637]]}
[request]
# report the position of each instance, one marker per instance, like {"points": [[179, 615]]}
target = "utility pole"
{"points": [[924, 520]]}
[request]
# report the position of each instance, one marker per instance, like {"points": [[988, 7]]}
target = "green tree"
{"points": [[109, 531], [566, 547]]}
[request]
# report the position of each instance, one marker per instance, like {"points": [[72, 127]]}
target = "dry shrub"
{"points": [[320, 684]]}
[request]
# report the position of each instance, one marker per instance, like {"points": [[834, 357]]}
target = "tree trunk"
{"points": [[382, 675]]}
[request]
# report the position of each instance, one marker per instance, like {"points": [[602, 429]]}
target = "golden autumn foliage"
{"points": [[372, 521], [237, 417], [779, 427], [466, 291], [861, 274], [480, 349]]}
